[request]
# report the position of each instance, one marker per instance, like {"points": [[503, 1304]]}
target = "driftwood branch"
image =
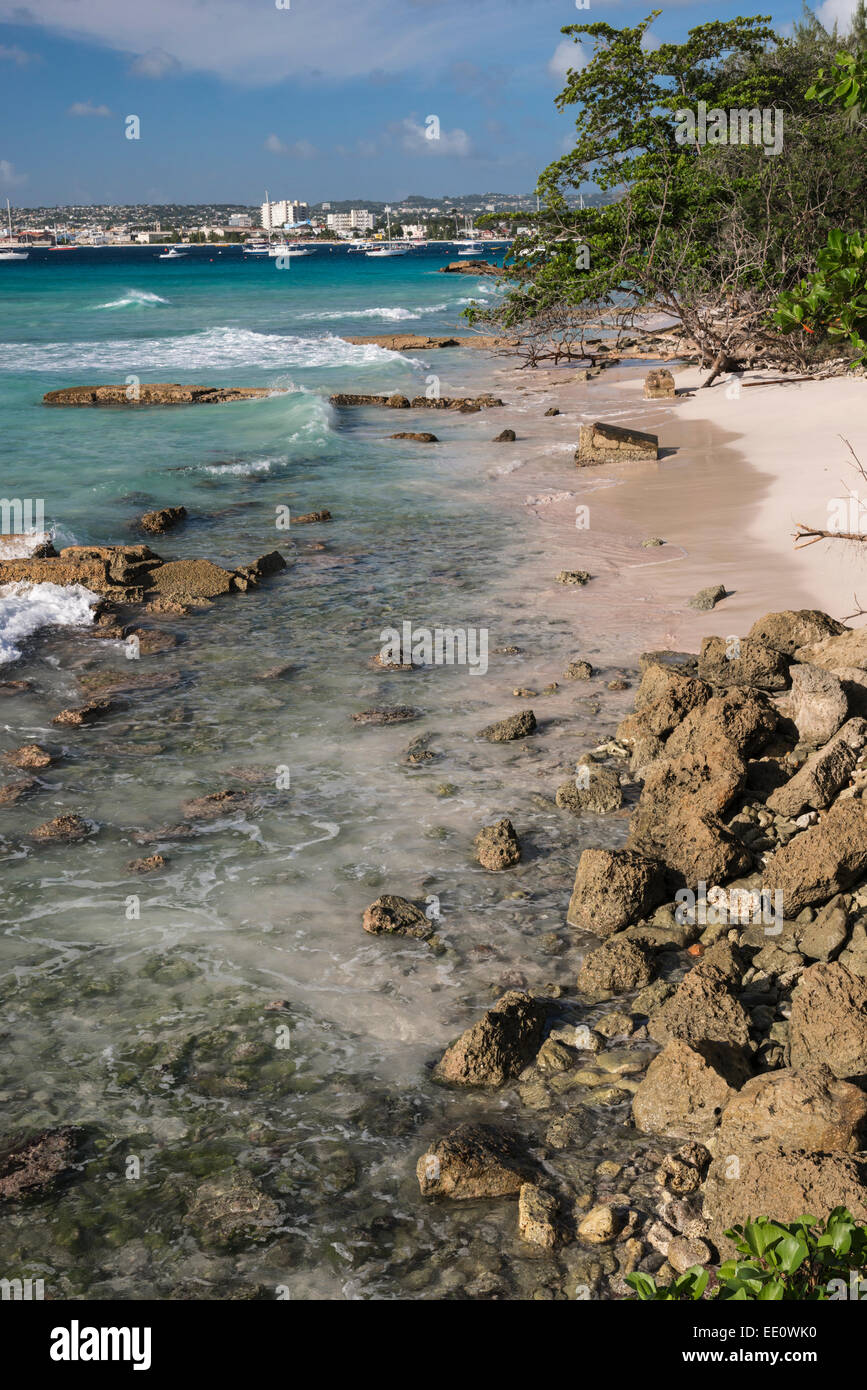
{"points": [[808, 535]]}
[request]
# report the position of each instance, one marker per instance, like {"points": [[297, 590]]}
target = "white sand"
{"points": [[790, 436], [735, 474]]}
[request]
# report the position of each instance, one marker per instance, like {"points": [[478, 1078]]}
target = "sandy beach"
{"points": [[737, 469]]}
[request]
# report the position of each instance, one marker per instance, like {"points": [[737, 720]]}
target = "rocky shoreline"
{"points": [[726, 1008], [666, 1045]]}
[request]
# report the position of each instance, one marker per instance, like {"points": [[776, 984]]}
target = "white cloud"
{"points": [[155, 63], [254, 42], [650, 42], [16, 55], [300, 149], [837, 12], [416, 139], [9, 178], [568, 54], [87, 108]]}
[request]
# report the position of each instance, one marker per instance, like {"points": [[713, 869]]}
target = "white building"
{"points": [[240, 219], [345, 223], [415, 230], [276, 216]]}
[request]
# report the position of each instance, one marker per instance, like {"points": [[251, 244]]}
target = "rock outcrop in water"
{"points": [[152, 393], [470, 267], [135, 574], [465, 404]]}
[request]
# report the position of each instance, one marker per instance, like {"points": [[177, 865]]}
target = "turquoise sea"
{"points": [[249, 1068]]}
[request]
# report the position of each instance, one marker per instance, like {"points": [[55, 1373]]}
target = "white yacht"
{"points": [[171, 255], [389, 248], [12, 255], [286, 250]]}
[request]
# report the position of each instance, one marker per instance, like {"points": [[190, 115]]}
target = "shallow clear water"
{"points": [[137, 1005]]}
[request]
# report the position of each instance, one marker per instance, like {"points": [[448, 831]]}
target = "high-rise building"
{"points": [[284, 213], [344, 223]]}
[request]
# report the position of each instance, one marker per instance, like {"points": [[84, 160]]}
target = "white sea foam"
{"points": [[394, 314], [141, 299], [21, 545], [247, 468], [25, 608], [218, 348]]}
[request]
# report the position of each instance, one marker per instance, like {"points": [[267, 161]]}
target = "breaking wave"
{"points": [[193, 352], [25, 608]]}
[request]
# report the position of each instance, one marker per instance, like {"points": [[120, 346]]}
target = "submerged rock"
{"points": [[33, 1166], [394, 916], [386, 714], [505, 437], [164, 519], [30, 755], [573, 577], [62, 828], [475, 1160], [539, 1217], [230, 1209], [497, 846], [310, 517], [216, 804], [152, 393], [13, 792], [148, 865], [495, 1049], [85, 714], [515, 726], [419, 437]]}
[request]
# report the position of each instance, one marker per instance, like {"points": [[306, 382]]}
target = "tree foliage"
{"points": [[707, 234]]}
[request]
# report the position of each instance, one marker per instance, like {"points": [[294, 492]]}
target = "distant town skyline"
{"points": [[107, 103]]}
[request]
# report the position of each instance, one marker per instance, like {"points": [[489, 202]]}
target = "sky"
{"points": [[309, 99]]}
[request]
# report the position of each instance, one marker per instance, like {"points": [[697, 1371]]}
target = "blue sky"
{"points": [[310, 99]]}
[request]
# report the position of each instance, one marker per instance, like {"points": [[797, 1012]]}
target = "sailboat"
{"points": [[390, 248], [11, 255], [286, 250]]}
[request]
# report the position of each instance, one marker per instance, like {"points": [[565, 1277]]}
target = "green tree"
{"points": [[708, 234]]}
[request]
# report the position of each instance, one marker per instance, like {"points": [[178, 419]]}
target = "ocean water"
{"points": [[140, 1007]]}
